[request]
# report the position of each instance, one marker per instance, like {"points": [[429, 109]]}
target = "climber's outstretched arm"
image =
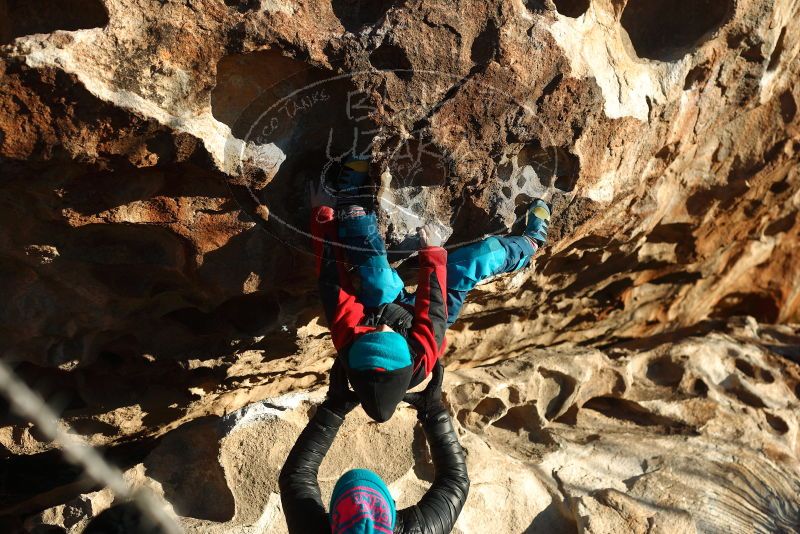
{"points": [[430, 308], [300, 495], [342, 309], [442, 503], [439, 508]]}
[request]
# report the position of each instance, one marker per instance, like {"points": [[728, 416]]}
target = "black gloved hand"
{"points": [[429, 400], [340, 399]]}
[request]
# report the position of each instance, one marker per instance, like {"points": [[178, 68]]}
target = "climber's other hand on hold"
{"points": [[431, 235], [340, 399], [320, 195], [429, 401]]}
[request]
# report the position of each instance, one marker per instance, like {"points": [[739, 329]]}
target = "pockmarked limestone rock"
{"points": [[155, 266], [686, 434]]}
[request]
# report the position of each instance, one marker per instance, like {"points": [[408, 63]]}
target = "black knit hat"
{"points": [[380, 391]]}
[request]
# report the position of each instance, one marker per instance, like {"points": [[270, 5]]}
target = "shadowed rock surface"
{"points": [[155, 274]]}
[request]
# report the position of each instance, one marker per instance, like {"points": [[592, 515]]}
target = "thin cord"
{"points": [[28, 404]]}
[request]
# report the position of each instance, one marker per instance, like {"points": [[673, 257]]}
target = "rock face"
{"points": [[679, 434], [155, 269]]}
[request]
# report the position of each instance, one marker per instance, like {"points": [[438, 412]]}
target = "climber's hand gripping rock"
{"points": [[320, 195], [340, 399], [429, 401], [431, 235]]}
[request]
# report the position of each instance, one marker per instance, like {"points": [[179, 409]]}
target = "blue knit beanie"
{"points": [[361, 504], [385, 351]]}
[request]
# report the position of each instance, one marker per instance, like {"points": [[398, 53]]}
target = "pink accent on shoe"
{"points": [[353, 212], [533, 242]]}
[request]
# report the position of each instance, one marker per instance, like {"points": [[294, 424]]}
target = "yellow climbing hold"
{"points": [[358, 165], [540, 212]]}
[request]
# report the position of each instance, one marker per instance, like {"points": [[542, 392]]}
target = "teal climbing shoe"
{"points": [[353, 176], [538, 221]]}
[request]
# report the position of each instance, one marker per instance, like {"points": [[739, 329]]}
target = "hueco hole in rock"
{"points": [[475, 266]]}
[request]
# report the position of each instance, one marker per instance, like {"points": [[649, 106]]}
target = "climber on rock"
{"points": [[361, 502], [387, 338]]}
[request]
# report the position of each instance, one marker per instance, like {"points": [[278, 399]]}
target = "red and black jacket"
{"points": [[423, 326]]}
